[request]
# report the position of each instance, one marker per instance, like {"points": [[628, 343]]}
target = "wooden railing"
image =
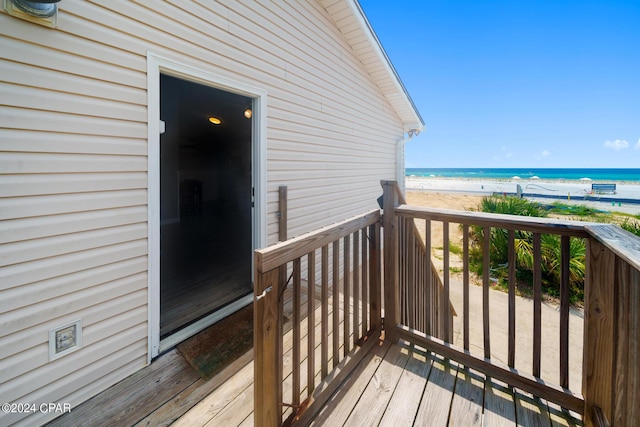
{"points": [[611, 351], [329, 345], [319, 352], [424, 303]]}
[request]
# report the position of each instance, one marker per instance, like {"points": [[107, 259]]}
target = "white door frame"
{"points": [[155, 66]]}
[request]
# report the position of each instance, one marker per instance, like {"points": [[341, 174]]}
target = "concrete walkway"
{"points": [[499, 327]]}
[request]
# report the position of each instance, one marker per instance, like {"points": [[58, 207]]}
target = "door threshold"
{"points": [[192, 329]]}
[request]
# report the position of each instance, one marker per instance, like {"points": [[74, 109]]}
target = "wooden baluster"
{"points": [[356, 286], [565, 259], [375, 273], [445, 273], [537, 304], [346, 294], [365, 284], [402, 271], [430, 301], [311, 321], [409, 292], [486, 258], [324, 326], [295, 388], [512, 299], [465, 285], [336, 303], [420, 262]]}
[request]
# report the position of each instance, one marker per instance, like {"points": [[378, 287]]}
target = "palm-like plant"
{"points": [[549, 245]]}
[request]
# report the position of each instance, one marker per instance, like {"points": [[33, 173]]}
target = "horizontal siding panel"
{"points": [[32, 250], [26, 141], [82, 105], [21, 274], [48, 289], [112, 325], [27, 207], [46, 183], [45, 57], [37, 227], [214, 14], [38, 356], [330, 161], [334, 115], [97, 377], [197, 30], [365, 148], [321, 178], [310, 54], [325, 128], [66, 366], [70, 44], [279, 38], [42, 163], [162, 33], [49, 121], [285, 140], [30, 75]]}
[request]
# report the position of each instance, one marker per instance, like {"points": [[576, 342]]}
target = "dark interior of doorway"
{"points": [[205, 201]]}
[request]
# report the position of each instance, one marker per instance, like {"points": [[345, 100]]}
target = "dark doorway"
{"points": [[205, 201]]}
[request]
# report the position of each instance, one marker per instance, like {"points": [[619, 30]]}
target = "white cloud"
{"points": [[545, 153], [617, 145], [638, 144]]}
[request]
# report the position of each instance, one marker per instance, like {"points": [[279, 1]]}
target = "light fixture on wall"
{"points": [[248, 113], [44, 12], [214, 120]]}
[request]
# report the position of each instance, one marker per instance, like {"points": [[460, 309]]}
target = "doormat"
{"points": [[211, 350]]}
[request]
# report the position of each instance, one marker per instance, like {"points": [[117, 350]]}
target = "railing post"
{"points": [[599, 332], [267, 329], [374, 276], [390, 224]]}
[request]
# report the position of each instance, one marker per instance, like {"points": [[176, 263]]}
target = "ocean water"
{"points": [[610, 175]]}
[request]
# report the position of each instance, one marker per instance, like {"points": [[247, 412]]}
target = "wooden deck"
{"points": [[393, 385]]}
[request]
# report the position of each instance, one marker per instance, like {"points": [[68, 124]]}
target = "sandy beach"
{"points": [[461, 192]]}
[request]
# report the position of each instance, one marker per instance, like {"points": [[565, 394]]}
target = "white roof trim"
{"points": [[389, 81]]}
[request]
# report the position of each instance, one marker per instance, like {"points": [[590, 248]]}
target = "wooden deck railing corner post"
{"points": [[267, 330], [611, 350], [391, 282]]}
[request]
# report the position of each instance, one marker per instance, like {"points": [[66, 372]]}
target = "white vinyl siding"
{"points": [[73, 164]]}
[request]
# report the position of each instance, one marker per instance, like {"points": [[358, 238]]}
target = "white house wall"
{"points": [[73, 164]]}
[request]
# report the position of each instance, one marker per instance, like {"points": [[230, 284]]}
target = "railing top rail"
{"points": [[276, 255], [511, 222], [619, 241]]}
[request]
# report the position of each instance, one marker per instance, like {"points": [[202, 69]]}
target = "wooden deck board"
{"points": [[499, 406], [198, 391], [126, 402], [341, 404], [436, 401], [397, 385], [466, 407], [374, 401], [530, 410], [403, 406]]}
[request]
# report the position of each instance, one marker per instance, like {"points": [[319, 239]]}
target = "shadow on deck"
{"points": [[393, 385]]}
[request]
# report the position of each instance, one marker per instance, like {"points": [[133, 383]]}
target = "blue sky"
{"points": [[517, 83]]}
